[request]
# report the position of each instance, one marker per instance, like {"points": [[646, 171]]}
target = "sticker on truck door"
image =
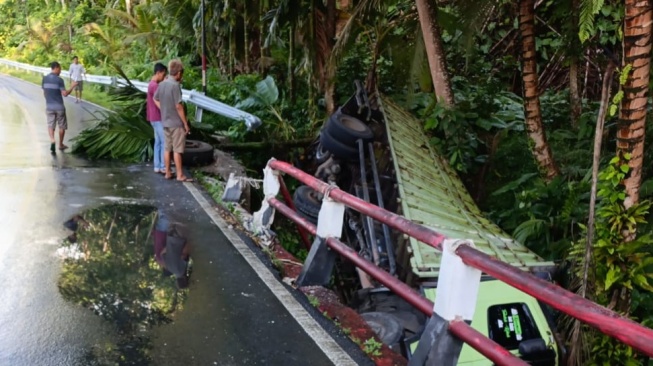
{"points": [[510, 324]]}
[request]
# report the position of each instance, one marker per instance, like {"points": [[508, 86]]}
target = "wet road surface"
{"points": [[227, 316]]}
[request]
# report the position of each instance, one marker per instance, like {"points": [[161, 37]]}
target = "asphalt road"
{"points": [[230, 316]]}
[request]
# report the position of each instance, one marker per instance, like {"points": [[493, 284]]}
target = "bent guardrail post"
{"points": [[202, 101], [455, 300]]}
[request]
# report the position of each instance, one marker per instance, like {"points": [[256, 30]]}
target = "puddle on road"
{"points": [[130, 265]]}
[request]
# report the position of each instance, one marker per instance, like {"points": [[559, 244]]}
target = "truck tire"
{"points": [[307, 203], [197, 153], [337, 148], [386, 326], [347, 129], [321, 154]]}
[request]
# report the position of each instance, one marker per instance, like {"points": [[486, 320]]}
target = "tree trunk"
{"points": [[532, 112], [598, 139], [324, 22], [246, 36], [632, 115], [574, 91], [291, 63], [428, 19], [232, 52]]}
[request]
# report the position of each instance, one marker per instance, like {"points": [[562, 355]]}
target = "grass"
{"points": [[313, 300], [93, 93], [372, 347]]}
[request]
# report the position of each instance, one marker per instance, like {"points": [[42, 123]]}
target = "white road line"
{"points": [[323, 340]]}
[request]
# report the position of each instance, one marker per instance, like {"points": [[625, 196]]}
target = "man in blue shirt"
{"points": [[54, 90]]}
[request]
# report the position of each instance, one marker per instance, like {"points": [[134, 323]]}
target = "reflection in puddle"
{"points": [[130, 265]]}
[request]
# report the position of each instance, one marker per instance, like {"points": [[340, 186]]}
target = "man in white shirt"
{"points": [[77, 73]]}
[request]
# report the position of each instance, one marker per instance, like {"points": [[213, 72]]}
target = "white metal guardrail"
{"points": [[191, 96]]}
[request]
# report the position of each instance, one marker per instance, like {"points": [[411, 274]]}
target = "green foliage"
{"points": [[464, 133], [542, 215], [289, 240], [124, 135], [372, 347], [621, 262], [588, 9], [313, 300], [282, 120], [215, 189]]}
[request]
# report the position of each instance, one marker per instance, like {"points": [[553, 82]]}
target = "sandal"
{"points": [[185, 179], [62, 147], [168, 176]]}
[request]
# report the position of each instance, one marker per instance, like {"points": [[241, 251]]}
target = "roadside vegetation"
{"points": [[93, 93], [533, 104]]}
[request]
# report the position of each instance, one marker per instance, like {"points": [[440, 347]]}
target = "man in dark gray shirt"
{"points": [[175, 125], [54, 90]]}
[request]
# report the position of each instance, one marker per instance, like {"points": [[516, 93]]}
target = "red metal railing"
{"points": [[488, 348], [288, 198], [607, 321]]}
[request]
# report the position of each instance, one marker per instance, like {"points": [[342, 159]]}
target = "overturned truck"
{"points": [[379, 153]]}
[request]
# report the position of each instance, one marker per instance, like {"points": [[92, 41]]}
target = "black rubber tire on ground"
{"points": [[386, 326], [337, 148], [307, 203], [197, 153], [348, 129]]}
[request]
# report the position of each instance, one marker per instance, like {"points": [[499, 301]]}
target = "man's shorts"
{"points": [[175, 139], [57, 118], [79, 86]]}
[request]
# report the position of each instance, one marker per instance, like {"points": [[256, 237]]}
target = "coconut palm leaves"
{"points": [[143, 24], [588, 9], [40, 34], [117, 136], [122, 136]]}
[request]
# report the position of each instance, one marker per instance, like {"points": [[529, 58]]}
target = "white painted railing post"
{"points": [[264, 217], [456, 294], [319, 263]]}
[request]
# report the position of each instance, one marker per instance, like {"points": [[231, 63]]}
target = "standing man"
{"points": [[175, 125], [154, 117], [54, 90], [77, 73]]}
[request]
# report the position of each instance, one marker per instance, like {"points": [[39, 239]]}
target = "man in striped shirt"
{"points": [[54, 90]]}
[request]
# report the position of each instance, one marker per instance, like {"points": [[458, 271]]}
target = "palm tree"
{"points": [[532, 112], [574, 90], [110, 43], [142, 24], [632, 115], [428, 12]]}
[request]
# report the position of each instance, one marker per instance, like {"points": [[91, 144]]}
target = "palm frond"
{"points": [[124, 136], [588, 9], [530, 228]]}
